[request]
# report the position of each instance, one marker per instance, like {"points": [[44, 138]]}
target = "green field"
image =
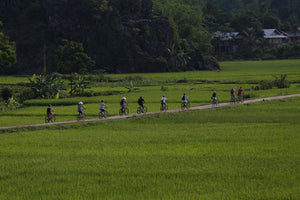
{"points": [[248, 151], [239, 152], [197, 84]]}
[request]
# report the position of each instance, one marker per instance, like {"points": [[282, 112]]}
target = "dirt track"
{"points": [[149, 113]]}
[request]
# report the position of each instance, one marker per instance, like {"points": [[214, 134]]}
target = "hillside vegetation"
{"points": [[129, 35]]}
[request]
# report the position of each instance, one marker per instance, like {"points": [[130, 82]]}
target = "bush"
{"points": [[250, 96], [6, 93], [265, 85], [281, 81], [25, 95]]}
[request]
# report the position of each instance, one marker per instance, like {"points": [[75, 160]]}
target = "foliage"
{"points": [[45, 86], [281, 82], [6, 93], [178, 59], [70, 57], [197, 84], [289, 50], [265, 85], [78, 84], [7, 53]]}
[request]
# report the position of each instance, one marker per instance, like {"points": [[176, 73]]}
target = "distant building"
{"points": [[226, 43], [294, 37], [274, 38]]}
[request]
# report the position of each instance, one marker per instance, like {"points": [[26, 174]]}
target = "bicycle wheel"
{"points": [[166, 107], [214, 102], [145, 109], [232, 99], [101, 115], [46, 119], [139, 110], [126, 111], [121, 112], [188, 105], [182, 105], [52, 119], [240, 99]]}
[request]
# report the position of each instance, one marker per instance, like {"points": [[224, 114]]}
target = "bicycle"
{"points": [[163, 107], [103, 114], [50, 118], [185, 105], [81, 116], [232, 99], [124, 111], [141, 109], [214, 101], [240, 98]]}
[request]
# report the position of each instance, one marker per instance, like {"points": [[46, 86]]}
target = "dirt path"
{"points": [[149, 113]]}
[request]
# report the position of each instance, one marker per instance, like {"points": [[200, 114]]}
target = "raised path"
{"points": [[149, 113]]}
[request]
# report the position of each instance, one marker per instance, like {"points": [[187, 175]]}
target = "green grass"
{"points": [[66, 109], [238, 152], [230, 72], [13, 80]]}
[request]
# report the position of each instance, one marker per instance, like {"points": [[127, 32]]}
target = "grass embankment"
{"points": [[238, 152]]}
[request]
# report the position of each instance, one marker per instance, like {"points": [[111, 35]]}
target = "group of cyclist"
{"points": [[240, 95], [141, 102]]}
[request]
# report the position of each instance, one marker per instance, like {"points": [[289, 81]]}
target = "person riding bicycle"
{"points": [[102, 106], [141, 102], [232, 92], [184, 99], [123, 104], [163, 101], [240, 93], [80, 108], [214, 96], [50, 111]]}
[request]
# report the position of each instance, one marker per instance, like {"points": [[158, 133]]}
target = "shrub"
{"points": [[6, 93], [26, 94], [281, 81], [264, 85], [164, 88]]}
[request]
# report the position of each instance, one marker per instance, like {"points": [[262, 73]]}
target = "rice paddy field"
{"points": [[245, 151]]}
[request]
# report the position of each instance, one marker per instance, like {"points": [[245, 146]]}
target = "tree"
{"points": [[250, 33], [7, 53], [78, 83], [178, 58], [70, 57], [45, 86]]}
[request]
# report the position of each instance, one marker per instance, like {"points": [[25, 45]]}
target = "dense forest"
{"points": [[118, 36]]}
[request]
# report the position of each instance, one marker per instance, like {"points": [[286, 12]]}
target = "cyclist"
{"points": [[240, 94], [184, 99], [80, 108], [232, 91], [141, 102], [163, 101], [122, 104], [102, 107], [232, 99], [214, 97], [50, 111]]}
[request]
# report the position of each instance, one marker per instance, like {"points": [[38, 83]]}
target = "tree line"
{"points": [[129, 35]]}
